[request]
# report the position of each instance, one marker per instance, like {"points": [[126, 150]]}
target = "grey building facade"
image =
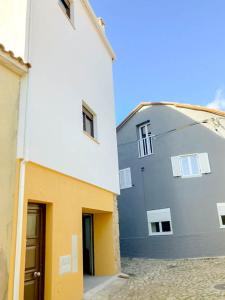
{"points": [[172, 175]]}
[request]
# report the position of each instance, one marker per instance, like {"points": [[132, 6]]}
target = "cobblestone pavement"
{"points": [[168, 279]]}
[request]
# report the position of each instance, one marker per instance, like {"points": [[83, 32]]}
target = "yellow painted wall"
{"points": [[103, 245], [9, 105], [66, 199]]}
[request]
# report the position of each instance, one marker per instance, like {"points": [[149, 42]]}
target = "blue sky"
{"points": [[167, 50]]}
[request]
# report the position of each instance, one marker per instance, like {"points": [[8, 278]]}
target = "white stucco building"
{"points": [[66, 144]]}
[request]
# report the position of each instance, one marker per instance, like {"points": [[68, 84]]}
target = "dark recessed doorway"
{"points": [[88, 245]]}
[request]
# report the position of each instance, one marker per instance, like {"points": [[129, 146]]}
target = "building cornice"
{"points": [[99, 28], [16, 64]]}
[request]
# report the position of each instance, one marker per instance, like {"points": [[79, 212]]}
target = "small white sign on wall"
{"points": [[64, 264], [74, 254]]}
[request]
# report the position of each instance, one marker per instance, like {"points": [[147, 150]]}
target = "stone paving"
{"points": [[168, 279]]}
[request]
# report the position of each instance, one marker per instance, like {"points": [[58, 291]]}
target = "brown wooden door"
{"points": [[35, 253]]}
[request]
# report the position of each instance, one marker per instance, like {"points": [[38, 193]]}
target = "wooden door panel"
{"points": [[30, 290], [31, 258], [35, 243]]}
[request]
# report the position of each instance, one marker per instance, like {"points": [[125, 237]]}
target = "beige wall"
{"points": [[9, 95], [13, 15]]}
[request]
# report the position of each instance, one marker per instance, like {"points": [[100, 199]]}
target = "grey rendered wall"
{"points": [[192, 201]]}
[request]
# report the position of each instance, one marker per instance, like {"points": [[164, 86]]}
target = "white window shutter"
{"points": [[204, 163], [125, 178], [175, 160], [122, 182], [128, 178]]}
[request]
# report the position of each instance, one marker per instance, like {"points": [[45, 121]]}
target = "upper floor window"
{"points": [[88, 121], [159, 222], [125, 179], [66, 5], [145, 147], [190, 165]]}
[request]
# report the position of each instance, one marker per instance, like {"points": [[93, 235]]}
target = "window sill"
{"points": [[161, 233], [191, 176], [91, 137], [146, 155]]}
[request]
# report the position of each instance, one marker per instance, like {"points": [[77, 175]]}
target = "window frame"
{"points": [[222, 226], [63, 5], [89, 114], [190, 165], [148, 145], [160, 221]]}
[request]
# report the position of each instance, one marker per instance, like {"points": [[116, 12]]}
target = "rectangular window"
{"points": [[125, 179], [221, 214], [66, 5], [190, 165], [145, 147], [159, 222], [88, 121]]}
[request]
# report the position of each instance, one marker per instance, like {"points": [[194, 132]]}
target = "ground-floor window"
{"points": [[221, 214], [159, 222]]}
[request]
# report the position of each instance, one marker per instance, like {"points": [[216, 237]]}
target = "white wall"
{"points": [[70, 65]]}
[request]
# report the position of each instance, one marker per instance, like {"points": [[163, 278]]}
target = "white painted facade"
{"points": [[70, 64]]}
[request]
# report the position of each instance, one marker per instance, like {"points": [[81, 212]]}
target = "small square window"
{"points": [[88, 121], [221, 214], [66, 5], [159, 222]]}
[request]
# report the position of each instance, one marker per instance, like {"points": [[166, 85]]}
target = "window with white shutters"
{"points": [[159, 222], [221, 214], [190, 165], [125, 179]]}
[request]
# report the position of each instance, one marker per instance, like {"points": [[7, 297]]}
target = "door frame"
{"points": [[42, 253]]}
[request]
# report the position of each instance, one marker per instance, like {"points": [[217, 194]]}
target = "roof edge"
{"points": [[176, 104], [14, 63], [100, 30]]}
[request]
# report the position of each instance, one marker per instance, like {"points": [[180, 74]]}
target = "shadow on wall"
{"points": [[3, 276]]}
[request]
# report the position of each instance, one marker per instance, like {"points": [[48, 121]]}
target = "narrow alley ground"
{"points": [[173, 279]]}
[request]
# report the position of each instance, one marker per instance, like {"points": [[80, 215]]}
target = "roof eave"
{"points": [[16, 64], [181, 105]]}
